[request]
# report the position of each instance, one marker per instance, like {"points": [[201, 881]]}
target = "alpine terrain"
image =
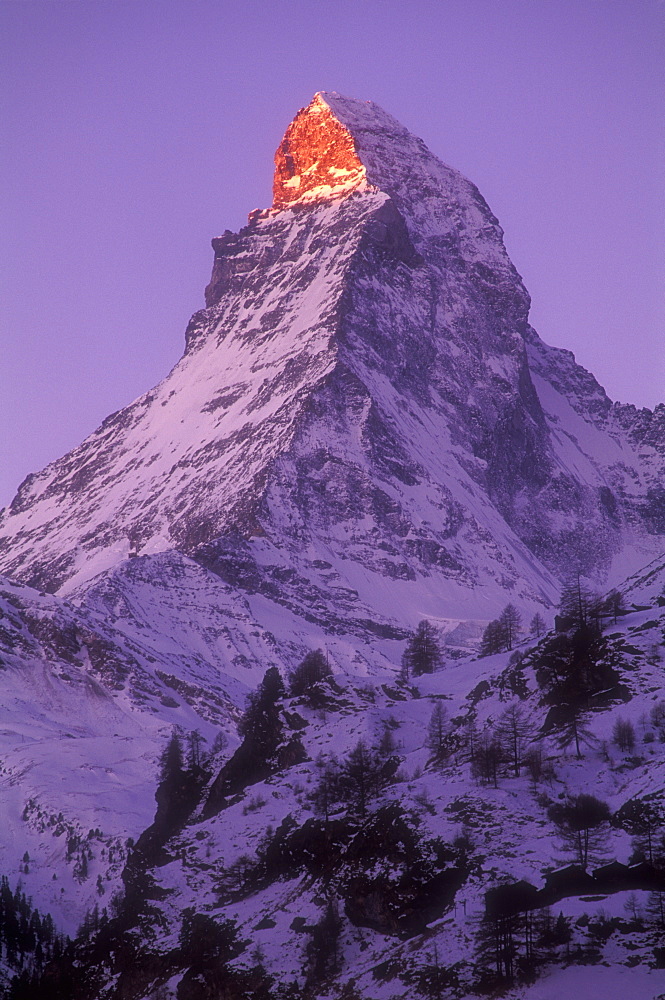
{"points": [[333, 666]]}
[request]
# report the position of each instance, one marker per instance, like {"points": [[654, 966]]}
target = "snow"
{"points": [[595, 983], [510, 828]]}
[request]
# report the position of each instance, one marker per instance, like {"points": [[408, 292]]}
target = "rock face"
{"points": [[317, 159], [363, 426]]}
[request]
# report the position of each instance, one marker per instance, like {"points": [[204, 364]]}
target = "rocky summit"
{"points": [[365, 451]]}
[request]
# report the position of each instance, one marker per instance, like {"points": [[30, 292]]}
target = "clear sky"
{"points": [[135, 131]]}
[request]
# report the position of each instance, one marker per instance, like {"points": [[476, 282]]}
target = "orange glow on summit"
{"points": [[316, 159]]}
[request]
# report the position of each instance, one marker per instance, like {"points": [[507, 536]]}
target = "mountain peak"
{"points": [[339, 145], [317, 158], [364, 365]]}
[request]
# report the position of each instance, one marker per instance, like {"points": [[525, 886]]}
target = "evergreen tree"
{"points": [[642, 818], [514, 732], [423, 651], [487, 757], [327, 789], [573, 666], [613, 605], [557, 933], [219, 743], [323, 948], [363, 774], [511, 621], [206, 948], [387, 745], [81, 868], [494, 639], [657, 719], [172, 769], [656, 909], [579, 607], [438, 731], [358, 770], [27, 940], [179, 787], [312, 671], [574, 731], [261, 725], [537, 626], [195, 754], [535, 765]]}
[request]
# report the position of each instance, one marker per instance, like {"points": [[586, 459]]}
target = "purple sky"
{"points": [[133, 132]]}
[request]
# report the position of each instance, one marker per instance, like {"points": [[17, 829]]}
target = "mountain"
{"points": [[363, 431], [363, 379]]}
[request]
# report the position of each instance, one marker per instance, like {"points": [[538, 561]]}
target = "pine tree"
{"points": [[261, 725], [195, 757], [487, 757], [537, 626], [562, 932], [574, 731], [312, 671], [387, 744], [511, 621], [437, 733], [171, 763], [207, 946], [323, 948], [327, 789], [579, 607], [358, 772], [574, 665], [641, 818], [423, 651], [613, 605], [81, 868], [494, 639], [178, 789], [219, 743], [362, 775], [514, 732], [656, 908], [533, 761]]}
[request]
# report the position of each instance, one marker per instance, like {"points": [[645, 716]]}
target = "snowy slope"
{"points": [[209, 864]]}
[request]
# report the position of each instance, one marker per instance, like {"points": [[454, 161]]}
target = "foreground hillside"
{"points": [[352, 856]]}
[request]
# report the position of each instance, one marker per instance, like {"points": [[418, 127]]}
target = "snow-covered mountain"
{"points": [[361, 409], [363, 431]]}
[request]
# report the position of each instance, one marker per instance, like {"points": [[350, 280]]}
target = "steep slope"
{"points": [[77, 754], [383, 895], [358, 385]]}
